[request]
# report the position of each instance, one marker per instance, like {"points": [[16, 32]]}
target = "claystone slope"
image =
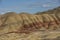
{"points": [[27, 23]]}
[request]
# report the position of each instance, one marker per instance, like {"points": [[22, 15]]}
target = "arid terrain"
{"points": [[25, 26]]}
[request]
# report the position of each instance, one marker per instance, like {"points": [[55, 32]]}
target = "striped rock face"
{"points": [[27, 23], [46, 22], [29, 26]]}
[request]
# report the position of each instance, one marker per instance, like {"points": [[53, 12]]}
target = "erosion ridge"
{"points": [[26, 23], [26, 26]]}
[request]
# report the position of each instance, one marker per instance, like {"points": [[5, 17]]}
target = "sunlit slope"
{"points": [[24, 26]]}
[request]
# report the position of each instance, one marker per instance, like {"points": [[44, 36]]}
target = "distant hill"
{"points": [[52, 11]]}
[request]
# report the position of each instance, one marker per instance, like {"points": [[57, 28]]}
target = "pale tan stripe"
{"points": [[18, 18], [32, 18], [54, 17], [31, 21], [25, 20], [21, 18], [58, 15], [46, 20], [36, 21], [40, 18], [56, 20], [35, 17], [50, 18], [28, 21], [45, 16], [8, 20]]}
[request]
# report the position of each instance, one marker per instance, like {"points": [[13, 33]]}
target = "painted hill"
{"points": [[26, 26]]}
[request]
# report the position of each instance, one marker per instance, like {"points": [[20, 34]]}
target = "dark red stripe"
{"points": [[30, 28]]}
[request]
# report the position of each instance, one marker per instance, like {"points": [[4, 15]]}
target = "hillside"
{"points": [[51, 11], [24, 26]]}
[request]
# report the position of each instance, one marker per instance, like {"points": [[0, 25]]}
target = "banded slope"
{"points": [[28, 26], [27, 23]]}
